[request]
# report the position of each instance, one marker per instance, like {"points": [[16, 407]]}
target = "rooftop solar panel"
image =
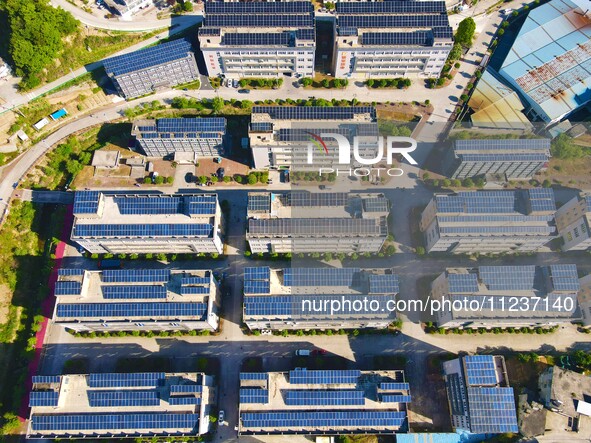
{"points": [[120, 379], [113, 422], [565, 278], [324, 398], [184, 400], [392, 21], [261, 127], [142, 230], [383, 284], [147, 57], [122, 398], [104, 311], [259, 202], [303, 376], [389, 398], [257, 273], [86, 202], [462, 283], [257, 39], [222, 8], [492, 410], [514, 145], [508, 278], [314, 112], [417, 38], [254, 395], [481, 370], [387, 386], [46, 379], [186, 389], [191, 124], [43, 398], [310, 227], [134, 292], [135, 275], [376, 204], [67, 288], [69, 271], [319, 276], [320, 419], [260, 21], [391, 7]]}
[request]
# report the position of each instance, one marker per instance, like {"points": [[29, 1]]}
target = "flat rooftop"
{"points": [[179, 128]]}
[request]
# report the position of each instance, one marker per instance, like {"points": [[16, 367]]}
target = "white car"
{"points": [[221, 416]]}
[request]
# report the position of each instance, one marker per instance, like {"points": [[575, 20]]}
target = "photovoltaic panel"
{"points": [[119, 421], [306, 34], [133, 292], [416, 38], [513, 145], [392, 7], [256, 39], [389, 398], [304, 376], [209, 31], [480, 370], [314, 112], [43, 398], [184, 401], [307, 227], [186, 290], [122, 398], [268, 305], [325, 398], [503, 157], [147, 57], [201, 205], [185, 389], [297, 7], [489, 201], [542, 199], [259, 202], [319, 276], [125, 380], [86, 202], [377, 204], [257, 273], [135, 275], [299, 199], [149, 205], [195, 280], [320, 419], [392, 21], [254, 376], [192, 124], [492, 410], [106, 311], [254, 21], [565, 278], [383, 284], [462, 283], [497, 305], [143, 230], [499, 230], [261, 127], [394, 386], [508, 278], [254, 395], [257, 287], [46, 379], [68, 288], [69, 272]]}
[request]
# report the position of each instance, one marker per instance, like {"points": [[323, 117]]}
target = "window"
{"points": [[569, 236], [583, 227], [576, 232]]}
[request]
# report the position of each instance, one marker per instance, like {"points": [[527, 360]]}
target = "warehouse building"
{"points": [[281, 136], [548, 63], [507, 296], [304, 222], [391, 39], [573, 220], [318, 298], [136, 299], [258, 39], [166, 136], [143, 72], [147, 223], [510, 158], [327, 402], [489, 221], [120, 405], [479, 396]]}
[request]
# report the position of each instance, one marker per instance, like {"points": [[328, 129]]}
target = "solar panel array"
{"points": [[542, 199], [147, 57], [125, 380], [186, 290], [480, 370], [512, 145], [387, 386], [43, 398], [261, 127], [143, 230], [131, 310], [317, 419], [254, 376], [376, 204], [258, 39], [303, 376], [122, 398], [46, 379], [69, 272], [314, 112], [193, 280], [175, 401], [86, 202], [133, 292], [508, 278], [383, 284], [113, 422], [260, 14], [257, 280], [192, 124], [148, 205], [298, 199], [462, 283], [416, 38], [254, 395], [277, 305], [392, 21], [319, 276], [296, 7], [185, 389], [135, 275], [259, 203], [565, 278], [260, 21], [67, 288], [306, 227], [492, 410], [391, 7], [390, 398], [325, 398]]}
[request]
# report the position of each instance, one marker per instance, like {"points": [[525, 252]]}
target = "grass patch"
{"points": [[189, 86]]}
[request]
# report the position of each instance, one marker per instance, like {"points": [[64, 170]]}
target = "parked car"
{"points": [[303, 352], [319, 352], [221, 416], [235, 83], [244, 91], [220, 173]]}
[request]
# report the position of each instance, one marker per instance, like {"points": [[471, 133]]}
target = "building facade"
{"points": [[165, 136], [147, 223], [507, 296], [326, 402], [510, 158], [136, 299], [258, 39], [280, 135], [479, 396], [489, 221], [120, 405], [143, 72], [391, 39], [318, 298], [573, 220], [126, 8], [303, 222]]}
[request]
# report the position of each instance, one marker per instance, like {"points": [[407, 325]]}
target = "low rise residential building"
{"points": [[479, 396], [391, 39], [305, 222], [146, 70], [507, 296], [127, 8], [326, 402], [573, 220], [120, 405], [281, 136], [125, 223], [167, 136], [136, 300], [258, 39], [510, 158], [489, 221], [319, 298]]}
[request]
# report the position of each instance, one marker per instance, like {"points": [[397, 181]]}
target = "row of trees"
{"points": [[326, 83], [261, 82], [36, 32], [399, 83]]}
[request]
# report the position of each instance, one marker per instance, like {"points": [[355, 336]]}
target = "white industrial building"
{"points": [[573, 220]]}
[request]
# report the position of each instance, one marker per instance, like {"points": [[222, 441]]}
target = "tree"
{"points": [[467, 183], [564, 148], [456, 52], [325, 83], [252, 179], [306, 82], [336, 83], [465, 32], [187, 6], [159, 180], [369, 83], [217, 104], [147, 180], [500, 32], [546, 184]]}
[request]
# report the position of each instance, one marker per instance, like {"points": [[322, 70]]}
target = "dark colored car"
{"points": [[221, 172]]}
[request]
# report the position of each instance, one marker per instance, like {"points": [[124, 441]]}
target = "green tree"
{"points": [[456, 52], [465, 32], [217, 104], [325, 83], [563, 147], [188, 6], [306, 82], [370, 82], [252, 179]]}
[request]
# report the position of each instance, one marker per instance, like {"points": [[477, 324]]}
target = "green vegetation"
{"points": [[563, 147], [189, 86], [261, 83], [143, 108], [431, 328], [137, 333], [400, 83], [26, 242], [465, 33], [307, 82]]}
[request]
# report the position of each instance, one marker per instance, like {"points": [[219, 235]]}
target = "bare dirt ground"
{"points": [[5, 298]]}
